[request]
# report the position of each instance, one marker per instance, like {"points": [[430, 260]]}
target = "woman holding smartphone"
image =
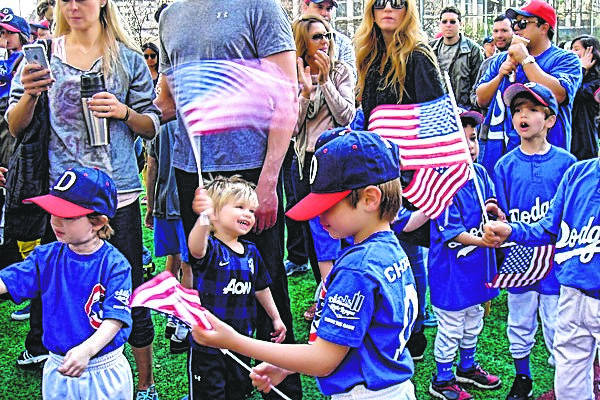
{"points": [[89, 38], [326, 100], [396, 66]]}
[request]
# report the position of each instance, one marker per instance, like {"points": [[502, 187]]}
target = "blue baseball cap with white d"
{"points": [[14, 23], [80, 191], [350, 160], [539, 92]]}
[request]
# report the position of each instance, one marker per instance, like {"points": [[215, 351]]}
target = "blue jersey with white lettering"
{"points": [[573, 221], [558, 63], [227, 284], [525, 184], [370, 307], [458, 273], [78, 292]]}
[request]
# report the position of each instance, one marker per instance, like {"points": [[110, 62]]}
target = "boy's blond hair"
{"points": [[223, 190], [391, 199], [523, 97], [106, 231]]}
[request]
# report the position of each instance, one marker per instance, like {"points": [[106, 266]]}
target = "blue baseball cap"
{"points": [[80, 191], [5, 11], [539, 92], [14, 23], [349, 160]]}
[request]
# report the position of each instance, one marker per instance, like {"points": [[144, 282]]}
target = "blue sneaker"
{"points": [[291, 267], [430, 320], [22, 314], [148, 394]]}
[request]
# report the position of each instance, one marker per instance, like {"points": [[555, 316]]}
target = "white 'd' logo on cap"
{"points": [[313, 169], [66, 181], [7, 18]]}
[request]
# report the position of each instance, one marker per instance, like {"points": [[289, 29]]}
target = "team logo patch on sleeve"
{"points": [[94, 307], [122, 295], [346, 307]]}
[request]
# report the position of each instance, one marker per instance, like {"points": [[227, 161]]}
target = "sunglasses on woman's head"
{"points": [[396, 4], [321, 36], [152, 56]]}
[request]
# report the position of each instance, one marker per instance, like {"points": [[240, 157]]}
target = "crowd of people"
{"points": [[529, 112]]}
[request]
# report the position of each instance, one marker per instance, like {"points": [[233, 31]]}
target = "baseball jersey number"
{"points": [[410, 315]]}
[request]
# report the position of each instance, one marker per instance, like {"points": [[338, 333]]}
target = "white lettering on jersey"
{"points": [[123, 296], [395, 271], [589, 235], [536, 213], [235, 287], [467, 249], [411, 303], [251, 265], [346, 307]]}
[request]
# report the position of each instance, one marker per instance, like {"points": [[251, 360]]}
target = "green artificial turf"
{"points": [[170, 370]]}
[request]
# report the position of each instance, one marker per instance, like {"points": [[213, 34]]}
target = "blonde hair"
{"points": [[391, 199], [300, 28], [224, 190], [99, 219], [369, 45], [113, 32]]}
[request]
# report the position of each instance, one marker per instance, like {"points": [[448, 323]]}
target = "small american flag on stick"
{"points": [[523, 266]]}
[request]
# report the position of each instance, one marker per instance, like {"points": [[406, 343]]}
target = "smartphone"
{"points": [[36, 53]]}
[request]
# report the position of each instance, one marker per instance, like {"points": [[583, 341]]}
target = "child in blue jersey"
{"points": [[526, 179], [371, 301], [84, 284], [231, 276], [572, 222], [458, 270]]}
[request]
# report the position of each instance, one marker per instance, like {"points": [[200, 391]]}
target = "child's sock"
{"points": [[467, 359], [444, 372], [522, 366]]}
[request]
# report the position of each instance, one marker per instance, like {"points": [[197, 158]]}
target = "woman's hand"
{"points": [[587, 60], [35, 80], [324, 63], [304, 79], [106, 105]]}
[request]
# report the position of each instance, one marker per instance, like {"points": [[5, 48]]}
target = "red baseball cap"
{"points": [[535, 8]]}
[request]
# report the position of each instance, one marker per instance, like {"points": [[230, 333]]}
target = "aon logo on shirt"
{"points": [[235, 287]]}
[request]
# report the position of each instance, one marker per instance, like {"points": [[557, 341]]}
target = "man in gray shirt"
{"points": [[236, 30]]}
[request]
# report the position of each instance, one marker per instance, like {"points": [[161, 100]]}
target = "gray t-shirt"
{"points": [[446, 55], [193, 30]]}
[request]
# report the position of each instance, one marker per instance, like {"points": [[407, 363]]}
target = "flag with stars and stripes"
{"points": [[432, 189], [523, 266], [427, 134], [164, 293]]}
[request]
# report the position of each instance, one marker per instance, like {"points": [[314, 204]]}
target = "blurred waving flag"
{"points": [[164, 293], [523, 266], [430, 142]]}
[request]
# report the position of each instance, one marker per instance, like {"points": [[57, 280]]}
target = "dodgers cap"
{"points": [[80, 191], [539, 92], [14, 23], [349, 160]]}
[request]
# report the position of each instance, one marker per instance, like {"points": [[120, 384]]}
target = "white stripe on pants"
{"points": [[107, 377], [456, 329], [401, 391], [523, 324], [577, 331]]}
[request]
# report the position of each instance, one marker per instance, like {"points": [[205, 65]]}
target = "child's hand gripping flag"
{"points": [[164, 293]]}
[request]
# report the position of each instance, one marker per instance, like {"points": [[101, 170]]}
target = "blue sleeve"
{"points": [[500, 185], [202, 264], [493, 69], [263, 279], [401, 220], [450, 223], [118, 291], [22, 280], [568, 71], [348, 308]]}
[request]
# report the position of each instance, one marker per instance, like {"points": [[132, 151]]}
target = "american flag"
{"points": [[432, 189], [427, 134], [164, 293], [523, 266]]}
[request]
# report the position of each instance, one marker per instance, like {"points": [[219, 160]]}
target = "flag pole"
{"points": [[460, 127]]}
